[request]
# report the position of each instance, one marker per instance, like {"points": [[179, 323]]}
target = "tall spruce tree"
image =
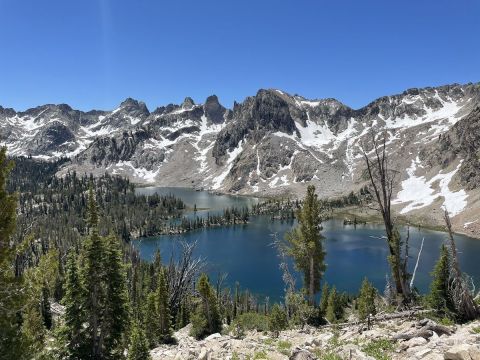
{"points": [[74, 312], [115, 313], [324, 300], [305, 244], [366, 300], [10, 291], [164, 318], [440, 297], [206, 319], [138, 349], [150, 320], [103, 300], [332, 306], [93, 276]]}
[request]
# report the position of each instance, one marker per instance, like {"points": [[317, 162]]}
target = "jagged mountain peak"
{"points": [[270, 143], [132, 105], [214, 111], [188, 103]]}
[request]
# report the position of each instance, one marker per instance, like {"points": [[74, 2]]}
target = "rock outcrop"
{"points": [[348, 342]]}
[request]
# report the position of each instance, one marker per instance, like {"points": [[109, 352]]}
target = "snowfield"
{"points": [[417, 192]]}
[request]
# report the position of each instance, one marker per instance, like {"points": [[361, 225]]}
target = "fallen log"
{"points": [[424, 333]]}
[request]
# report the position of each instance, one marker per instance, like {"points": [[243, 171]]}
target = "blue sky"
{"points": [[95, 53]]}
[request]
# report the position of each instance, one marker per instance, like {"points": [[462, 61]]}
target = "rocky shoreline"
{"points": [[460, 342]]}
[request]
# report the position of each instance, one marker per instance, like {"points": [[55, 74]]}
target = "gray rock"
{"points": [[300, 354], [463, 352]]}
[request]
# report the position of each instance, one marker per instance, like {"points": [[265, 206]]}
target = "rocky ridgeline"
{"points": [[350, 342]]}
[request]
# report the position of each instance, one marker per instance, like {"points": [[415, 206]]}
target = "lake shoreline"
{"points": [[246, 253], [365, 214]]}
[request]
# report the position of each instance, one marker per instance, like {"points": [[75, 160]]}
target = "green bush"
{"points": [[379, 349], [476, 330], [249, 321], [284, 347], [277, 320], [260, 355]]}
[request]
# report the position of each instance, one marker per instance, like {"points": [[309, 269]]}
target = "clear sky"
{"points": [[95, 53]]}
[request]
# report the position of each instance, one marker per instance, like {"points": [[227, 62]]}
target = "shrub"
{"points": [[379, 349], [284, 347], [301, 313], [249, 321], [366, 300], [277, 320]]}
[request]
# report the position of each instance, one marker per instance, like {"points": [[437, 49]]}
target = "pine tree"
{"points": [[115, 310], [324, 300], [92, 277], [104, 298], [138, 349], [206, 320], [331, 313], [33, 330], [74, 312], [277, 320], [150, 322], [439, 297], [366, 300], [45, 305], [305, 244], [163, 310], [10, 285]]}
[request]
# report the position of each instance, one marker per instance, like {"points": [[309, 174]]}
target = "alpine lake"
{"points": [[245, 252]]}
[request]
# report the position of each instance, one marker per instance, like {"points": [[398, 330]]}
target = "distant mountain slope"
{"points": [[271, 143]]}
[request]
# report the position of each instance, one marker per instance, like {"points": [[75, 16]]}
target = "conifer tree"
{"points": [[324, 300], [74, 311], [10, 291], [33, 330], [92, 276], [305, 244], [45, 305], [150, 320], [138, 349], [277, 320], [206, 319], [331, 313], [440, 298], [104, 299], [115, 310], [366, 300], [163, 310]]}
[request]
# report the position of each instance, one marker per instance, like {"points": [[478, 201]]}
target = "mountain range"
{"points": [[274, 143]]}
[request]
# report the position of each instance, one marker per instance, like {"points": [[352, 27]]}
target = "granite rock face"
{"points": [[462, 141]]}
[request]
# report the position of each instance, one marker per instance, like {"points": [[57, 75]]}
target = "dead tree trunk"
{"points": [[465, 305], [416, 264], [382, 180]]}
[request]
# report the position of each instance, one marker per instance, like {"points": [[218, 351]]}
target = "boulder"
{"points": [[203, 354], [463, 352], [417, 341], [300, 354], [213, 336]]}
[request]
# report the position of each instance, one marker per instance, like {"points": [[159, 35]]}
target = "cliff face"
{"points": [[462, 142]]}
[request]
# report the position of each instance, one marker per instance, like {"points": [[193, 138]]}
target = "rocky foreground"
{"points": [[350, 342]]}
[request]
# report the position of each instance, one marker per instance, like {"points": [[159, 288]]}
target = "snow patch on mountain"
{"points": [[232, 155], [417, 192], [138, 172]]}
